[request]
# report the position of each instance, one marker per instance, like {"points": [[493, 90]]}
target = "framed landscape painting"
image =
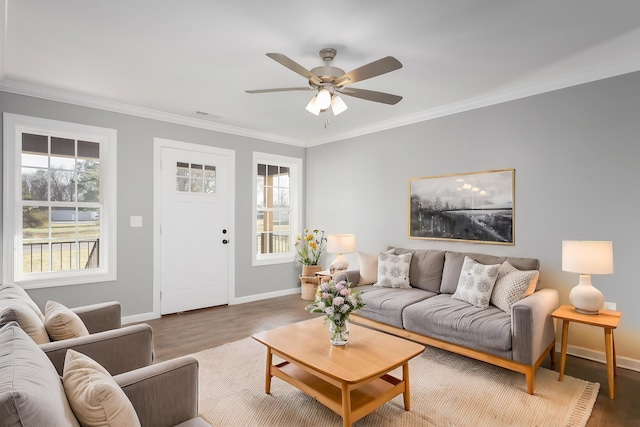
{"points": [[472, 207]]}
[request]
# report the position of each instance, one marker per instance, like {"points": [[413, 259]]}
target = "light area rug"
{"points": [[446, 390]]}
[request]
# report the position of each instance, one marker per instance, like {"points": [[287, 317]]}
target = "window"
{"points": [[195, 178], [59, 202], [278, 184]]}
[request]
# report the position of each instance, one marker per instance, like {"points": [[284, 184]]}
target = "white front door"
{"points": [[194, 229]]}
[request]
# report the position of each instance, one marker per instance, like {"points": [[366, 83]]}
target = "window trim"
{"points": [[14, 126], [295, 199]]}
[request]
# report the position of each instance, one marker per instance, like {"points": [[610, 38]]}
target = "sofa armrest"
{"points": [[164, 394], [100, 317], [118, 350], [350, 276], [532, 326]]}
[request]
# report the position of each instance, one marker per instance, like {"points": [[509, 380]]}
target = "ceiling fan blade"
{"points": [[370, 95], [294, 66], [280, 89], [373, 69]]}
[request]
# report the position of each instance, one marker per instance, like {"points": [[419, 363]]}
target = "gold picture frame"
{"points": [[474, 207]]}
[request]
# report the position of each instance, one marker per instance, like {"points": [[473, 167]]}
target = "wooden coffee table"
{"points": [[351, 380]]}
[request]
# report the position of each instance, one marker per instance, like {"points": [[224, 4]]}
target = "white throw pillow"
{"points": [[62, 323], [512, 285], [476, 282], [369, 267], [393, 270], [94, 396]]}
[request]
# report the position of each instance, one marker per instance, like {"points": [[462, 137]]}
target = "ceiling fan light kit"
{"points": [[328, 81]]}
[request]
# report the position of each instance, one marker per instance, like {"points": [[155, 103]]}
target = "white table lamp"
{"points": [[340, 244], [587, 258]]}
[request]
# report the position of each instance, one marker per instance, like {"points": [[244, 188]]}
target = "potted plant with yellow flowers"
{"points": [[309, 248]]}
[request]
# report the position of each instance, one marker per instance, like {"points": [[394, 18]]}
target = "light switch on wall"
{"points": [[136, 221]]}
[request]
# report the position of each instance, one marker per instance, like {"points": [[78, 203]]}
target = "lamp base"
{"points": [[592, 313], [340, 263], [585, 298]]}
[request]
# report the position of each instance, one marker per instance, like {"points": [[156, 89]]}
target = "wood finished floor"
{"points": [[181, 334]]}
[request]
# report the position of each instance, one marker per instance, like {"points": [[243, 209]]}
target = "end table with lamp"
{"points": [[606, 319]]}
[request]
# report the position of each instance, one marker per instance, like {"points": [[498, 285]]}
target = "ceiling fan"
{"points": [[329, 81]]}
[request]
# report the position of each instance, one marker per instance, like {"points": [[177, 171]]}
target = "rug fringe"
{"points": [[582, 411]]}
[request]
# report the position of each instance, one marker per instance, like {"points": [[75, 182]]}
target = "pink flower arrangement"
{"points": [[336, 301]]}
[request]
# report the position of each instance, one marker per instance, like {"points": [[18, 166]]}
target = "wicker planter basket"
{"points": [[310, 270], [309, 285]]}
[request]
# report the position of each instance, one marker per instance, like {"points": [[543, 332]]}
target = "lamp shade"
{"points": [[337, 105], [587, 257], [323, 100], [312, 107], [341, 243]]}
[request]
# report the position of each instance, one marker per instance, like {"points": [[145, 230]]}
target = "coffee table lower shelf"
{"points": [[351, 401]]}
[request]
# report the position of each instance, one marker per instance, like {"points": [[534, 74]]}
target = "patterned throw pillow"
{"points": [[512, 285], [393, 270], [476, 283]]}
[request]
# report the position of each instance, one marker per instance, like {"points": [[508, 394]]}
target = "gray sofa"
{"points": [[118, 349], [32, 393], [427, 313]]}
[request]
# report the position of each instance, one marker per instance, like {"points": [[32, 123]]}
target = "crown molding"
{"points": [[51, 94], [595, 73], [592, 74]]}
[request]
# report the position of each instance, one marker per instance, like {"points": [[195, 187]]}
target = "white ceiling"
{"points": [[169, 59]]}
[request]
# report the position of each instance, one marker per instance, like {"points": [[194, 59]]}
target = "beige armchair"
{"points": [[32, 392], [119, 349]]}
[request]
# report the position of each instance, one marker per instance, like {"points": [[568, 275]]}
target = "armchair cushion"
{"points": [[62, 323], [94, 396], [31, 393], [11, 291], [13, 310]]}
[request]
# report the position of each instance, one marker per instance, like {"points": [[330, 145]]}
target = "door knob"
{"points": [[225, 241]]}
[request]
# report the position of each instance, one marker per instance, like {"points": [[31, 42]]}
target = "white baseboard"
{"points": [[142, 317], [258, 297], [599, 356]]}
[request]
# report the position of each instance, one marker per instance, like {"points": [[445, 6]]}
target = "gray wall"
{"points": [[135, 197], [575, 152]]}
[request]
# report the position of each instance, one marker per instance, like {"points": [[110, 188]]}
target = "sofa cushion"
{"points": [[426, 268], [476, 283], [14, 310], [453, 266], [62, 323], [455, 321], [393, 270], [95, 397], [31, 393], [386, 304], [11, 291], [512, 285]]}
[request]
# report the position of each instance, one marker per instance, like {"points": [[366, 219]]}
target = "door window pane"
{"points": [[195, 178]]}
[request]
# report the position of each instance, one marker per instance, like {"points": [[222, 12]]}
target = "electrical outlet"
{"points": [[609, 305]]}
